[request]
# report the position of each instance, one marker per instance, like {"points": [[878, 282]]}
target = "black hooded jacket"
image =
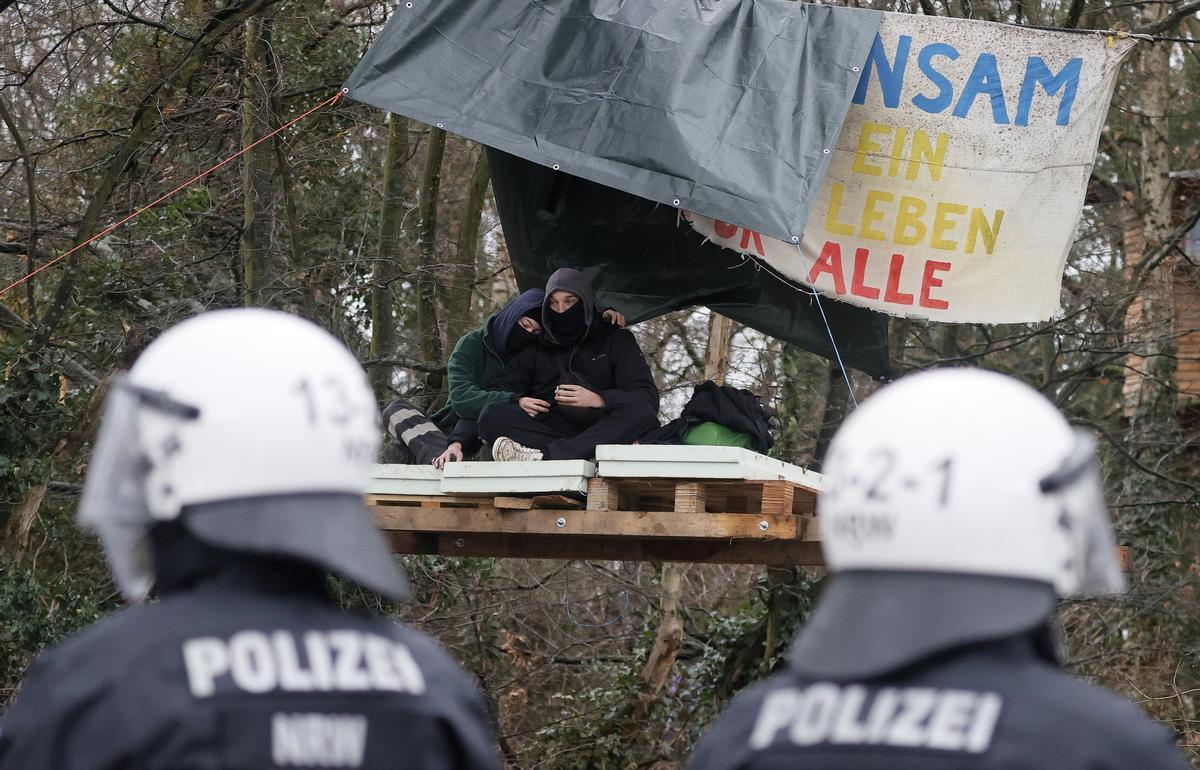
{"points": [[607, 361]]}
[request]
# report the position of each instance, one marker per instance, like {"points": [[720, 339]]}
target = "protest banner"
{"points": [[956, 184]]}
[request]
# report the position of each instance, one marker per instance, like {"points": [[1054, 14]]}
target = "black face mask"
{"points": [[519, 339], [569, 326]]}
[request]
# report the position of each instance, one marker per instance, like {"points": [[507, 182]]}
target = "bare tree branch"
{"points": [[1169, 21]]}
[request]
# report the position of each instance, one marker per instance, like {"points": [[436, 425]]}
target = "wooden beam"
{"points": [[656, 524], [774, 553]]}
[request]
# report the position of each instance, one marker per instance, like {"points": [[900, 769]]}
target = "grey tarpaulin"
{"points": [[728, 106], [721, 107]]}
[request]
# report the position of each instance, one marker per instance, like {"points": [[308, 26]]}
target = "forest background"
{"points": [[383, 231]]}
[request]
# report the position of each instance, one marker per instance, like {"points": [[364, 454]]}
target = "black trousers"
{"points": [[418, 440], [562, 439]]}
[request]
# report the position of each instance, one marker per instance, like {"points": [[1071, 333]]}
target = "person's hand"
{"points": [[452, 454], [577, 395], [614, 317], [533, 406]]}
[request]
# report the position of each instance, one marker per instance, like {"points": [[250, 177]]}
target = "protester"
{"points": [[478, 357], [229, 474], [585, 383], [476, 360], [958, 505]]}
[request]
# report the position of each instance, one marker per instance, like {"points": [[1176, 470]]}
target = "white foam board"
{"points": [[390, 479], [698, 462], [497, 478]]}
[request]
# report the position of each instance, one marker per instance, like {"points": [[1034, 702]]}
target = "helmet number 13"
{"points": [[325, 401]]}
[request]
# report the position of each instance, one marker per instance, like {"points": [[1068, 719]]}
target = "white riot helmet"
{"points": [[958, 504], [254, 428]]}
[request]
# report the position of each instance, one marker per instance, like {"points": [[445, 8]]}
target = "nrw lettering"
{"points": [[914, 717], [342, 660], [861, 527], [318, 740]]}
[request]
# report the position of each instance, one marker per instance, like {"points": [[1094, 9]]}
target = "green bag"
{"points": [[716, 434]]}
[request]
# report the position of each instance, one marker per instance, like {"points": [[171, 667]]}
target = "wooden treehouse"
{"points": [[656, 503]]}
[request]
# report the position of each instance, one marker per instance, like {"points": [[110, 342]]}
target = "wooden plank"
{"points": [[655, 524], [537, 501], [410, 501], [556, 501], [774, 553], [690, 497]]}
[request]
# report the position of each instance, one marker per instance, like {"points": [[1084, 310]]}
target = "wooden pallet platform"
{"points": [[700, 496], [717, 521]]}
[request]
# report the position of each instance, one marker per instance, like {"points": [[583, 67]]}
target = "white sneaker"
{"points": [[506, 450]]}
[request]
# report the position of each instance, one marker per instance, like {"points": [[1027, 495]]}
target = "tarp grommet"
{"points": [[795, 239], [675, 202], [439, 125], [825, 151], [408, 5], [555, 167], [854, 69]]}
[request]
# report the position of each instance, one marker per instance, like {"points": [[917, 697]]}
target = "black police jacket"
{"points": [[993, 707], [225, 676]]}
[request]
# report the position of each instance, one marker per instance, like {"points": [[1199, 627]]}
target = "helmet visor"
{"points": [[1093, 567], [114, 502]]}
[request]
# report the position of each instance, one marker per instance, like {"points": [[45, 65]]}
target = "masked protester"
{"points": [[477, 359], [585, 383], [228, 475], [958, 505]]}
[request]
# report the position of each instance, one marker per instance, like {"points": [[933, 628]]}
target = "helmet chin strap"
{"points": [[1048, 642], [182, 562]]}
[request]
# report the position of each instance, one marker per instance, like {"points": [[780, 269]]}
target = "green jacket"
{"points": [[473, 364]]}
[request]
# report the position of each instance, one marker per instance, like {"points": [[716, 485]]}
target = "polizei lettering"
{"points": [[318, 661], [318, 740], [913, 717]]}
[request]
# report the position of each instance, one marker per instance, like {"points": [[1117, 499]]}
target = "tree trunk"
{"points": [[1150, 393], [258, 219], [299, 265], [384, 329], [837, 399], [716, 356], [31, 191], [459, 278], [669, 639], [428, 327], [667, 642]]}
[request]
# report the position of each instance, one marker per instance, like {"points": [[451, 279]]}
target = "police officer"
{"points": [[958, 505], [228, 474]]}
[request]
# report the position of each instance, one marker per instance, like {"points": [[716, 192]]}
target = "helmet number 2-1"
{"points": [[325, 401], [882, 479]]}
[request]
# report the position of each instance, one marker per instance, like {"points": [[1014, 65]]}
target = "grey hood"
{"points": [[569, 279]]}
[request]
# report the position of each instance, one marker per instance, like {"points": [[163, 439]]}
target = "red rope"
{"points": [[331, 100]]}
